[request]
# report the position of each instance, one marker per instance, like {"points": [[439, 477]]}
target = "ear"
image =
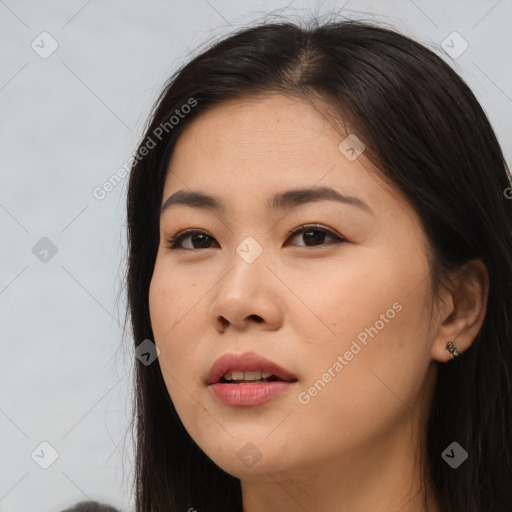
{"points": [[461, 311]]}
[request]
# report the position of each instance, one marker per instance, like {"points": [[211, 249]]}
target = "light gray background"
{"points": [[68, 122]]}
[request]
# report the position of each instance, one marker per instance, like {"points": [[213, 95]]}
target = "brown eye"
{"points": [[315, 235], [199, 240]]}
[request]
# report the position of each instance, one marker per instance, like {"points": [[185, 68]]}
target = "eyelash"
{"points": [[173, 243]]}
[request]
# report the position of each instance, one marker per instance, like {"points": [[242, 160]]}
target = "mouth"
{"points": [[247, 368], [247, 379]]}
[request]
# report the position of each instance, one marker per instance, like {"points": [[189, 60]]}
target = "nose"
{"points": [[247, 297]]}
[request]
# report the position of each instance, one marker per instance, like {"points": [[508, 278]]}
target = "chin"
{"points": [[249, 461]]}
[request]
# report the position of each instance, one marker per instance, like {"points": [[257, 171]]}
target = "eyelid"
{"points": [[170, 242], [319, 227]]}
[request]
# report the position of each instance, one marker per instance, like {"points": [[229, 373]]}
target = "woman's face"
{"points": [[343, 306]]}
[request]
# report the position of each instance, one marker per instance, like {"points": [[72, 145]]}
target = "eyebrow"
{"points": [[280, 201]]}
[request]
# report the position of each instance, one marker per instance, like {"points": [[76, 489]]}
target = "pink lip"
{"points": [[247, 394], [248, 361]]}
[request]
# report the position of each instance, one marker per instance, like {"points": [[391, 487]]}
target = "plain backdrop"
{"points": [[69, 120]]}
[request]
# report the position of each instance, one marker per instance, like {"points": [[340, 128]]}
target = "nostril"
{"points": [[224, 322]]}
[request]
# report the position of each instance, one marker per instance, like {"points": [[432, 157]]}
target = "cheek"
{"points": [[374, 316], [172, 305], [341, 300], [172, 301], [162, 300], [378, 386]]}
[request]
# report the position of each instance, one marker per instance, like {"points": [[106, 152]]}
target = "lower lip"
{"points": [[248, 394]]}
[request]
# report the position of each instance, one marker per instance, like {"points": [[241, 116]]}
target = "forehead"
{"points": [[268, 122], [266, 143]]}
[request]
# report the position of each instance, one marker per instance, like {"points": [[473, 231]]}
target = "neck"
{"points": [[381, 476]]}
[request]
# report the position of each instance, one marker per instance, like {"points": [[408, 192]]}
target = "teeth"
{"points": [[248, 375], [251, 375]]}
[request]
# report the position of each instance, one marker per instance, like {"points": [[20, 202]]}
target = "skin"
{"points": [[353, 446]]}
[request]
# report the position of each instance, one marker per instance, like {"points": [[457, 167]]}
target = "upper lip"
{"points": [[248, 361]]}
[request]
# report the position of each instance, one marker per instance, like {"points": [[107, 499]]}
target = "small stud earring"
{"points": [[451, 348]]}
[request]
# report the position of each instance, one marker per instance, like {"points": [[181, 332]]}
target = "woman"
{"points": [[320, 247]]}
